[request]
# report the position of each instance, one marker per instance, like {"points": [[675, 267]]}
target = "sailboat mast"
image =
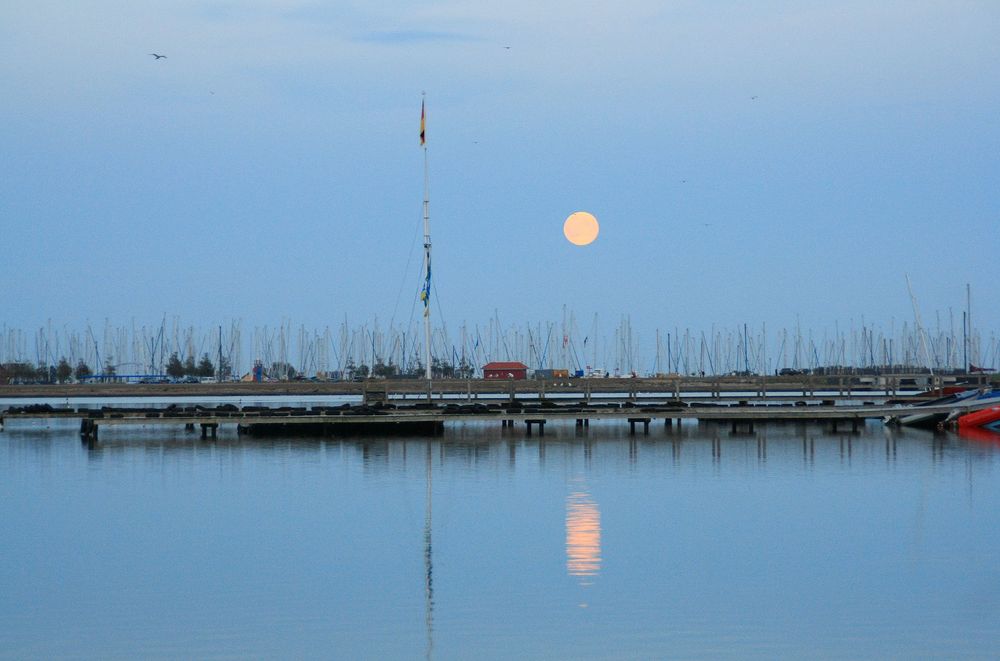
{"points": [[426, 294], [967, 328], [920, 328]]}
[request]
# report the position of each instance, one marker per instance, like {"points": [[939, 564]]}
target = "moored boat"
{"points": [[989, 417], [933, 418]]}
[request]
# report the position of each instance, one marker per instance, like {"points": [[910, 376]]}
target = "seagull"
{"points": [[158, 56], [753, 98]]}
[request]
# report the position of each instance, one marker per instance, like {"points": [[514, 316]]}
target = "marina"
{"points": [[701, 361]]}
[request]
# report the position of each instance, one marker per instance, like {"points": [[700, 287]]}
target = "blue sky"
{"points": [[773, 163]]}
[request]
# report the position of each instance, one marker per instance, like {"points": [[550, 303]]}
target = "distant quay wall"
{"points": [[391, 387]]}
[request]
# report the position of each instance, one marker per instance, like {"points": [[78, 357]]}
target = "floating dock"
{"points": [[429, 418]]}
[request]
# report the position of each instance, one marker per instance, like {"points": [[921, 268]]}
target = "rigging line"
{"points": [[413, 305], [444, 325], [406, 271], [416, 296], [437, 301]]}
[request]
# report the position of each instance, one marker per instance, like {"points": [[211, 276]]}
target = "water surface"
{"points": [[691, 543]]}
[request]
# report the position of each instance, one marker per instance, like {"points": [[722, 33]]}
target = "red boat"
{"points": [[980, 418]]}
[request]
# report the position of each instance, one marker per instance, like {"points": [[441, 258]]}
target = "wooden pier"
{"points": [[421, 418]]}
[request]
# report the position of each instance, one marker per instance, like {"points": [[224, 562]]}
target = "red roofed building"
{"points": [[498, 370]]}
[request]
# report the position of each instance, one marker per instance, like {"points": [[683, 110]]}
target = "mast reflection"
{"points": [[583, 537], [429, 560]]}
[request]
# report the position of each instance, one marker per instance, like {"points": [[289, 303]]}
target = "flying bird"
{"points": [[158, 56], [753, 98]]}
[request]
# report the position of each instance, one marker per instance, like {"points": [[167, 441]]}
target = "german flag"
{"points": [[423, 124]]}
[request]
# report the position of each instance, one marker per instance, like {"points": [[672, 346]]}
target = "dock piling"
{"points": [[645, 426], [539, 422]]}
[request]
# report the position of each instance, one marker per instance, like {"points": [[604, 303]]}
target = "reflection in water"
{"points": [[583, 536], [428, 560], [265, 516], [981, 434]]}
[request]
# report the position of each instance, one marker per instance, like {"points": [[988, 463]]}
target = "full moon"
{"points": [[581, 228]]}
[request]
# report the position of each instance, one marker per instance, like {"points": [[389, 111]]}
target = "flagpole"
{"points": [[427, 254]]}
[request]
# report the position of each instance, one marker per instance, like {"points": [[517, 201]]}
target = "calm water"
{"points": [[788, 543]]}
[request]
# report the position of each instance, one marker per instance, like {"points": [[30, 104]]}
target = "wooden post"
{"points": [[645, 426]]}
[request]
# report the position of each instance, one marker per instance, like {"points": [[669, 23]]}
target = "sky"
{"points": [[764, 163]]}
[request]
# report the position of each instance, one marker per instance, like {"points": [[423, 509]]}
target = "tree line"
{"points": [[28, 373], [63, 372]]}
